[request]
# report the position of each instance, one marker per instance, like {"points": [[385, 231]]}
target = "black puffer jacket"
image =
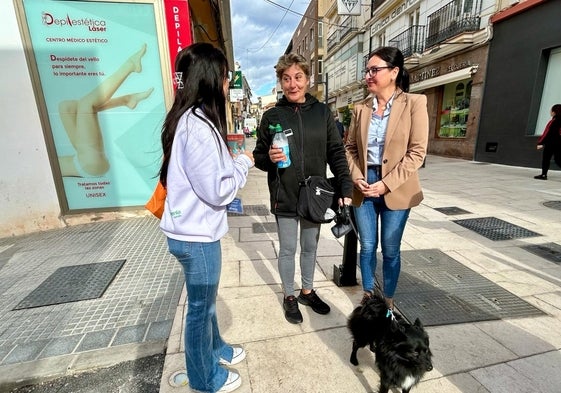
{"points": [[319, 143]]}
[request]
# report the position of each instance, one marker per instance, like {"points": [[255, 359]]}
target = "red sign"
{"points": [[178, 22]]}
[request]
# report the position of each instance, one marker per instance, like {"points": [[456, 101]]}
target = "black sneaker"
{"points": [[291, 311], [540, 177], [312, 300]]}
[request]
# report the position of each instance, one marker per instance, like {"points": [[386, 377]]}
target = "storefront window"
{"points": [[550, 93], [455, 109]]}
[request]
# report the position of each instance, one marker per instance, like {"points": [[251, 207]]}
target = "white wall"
{"points": [[28, 199]]}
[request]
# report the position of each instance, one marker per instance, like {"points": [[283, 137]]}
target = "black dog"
{"points": [[402, 350]]}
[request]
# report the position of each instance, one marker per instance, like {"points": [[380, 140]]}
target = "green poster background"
{"points": [[100, 73]]}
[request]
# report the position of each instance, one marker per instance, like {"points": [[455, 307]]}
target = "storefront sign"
{"points": [[236, 95], [458, 66], [348, 7], [237, 82], [395, 13], [178, 24], [423, 75], [437, 71], [100, 73]]}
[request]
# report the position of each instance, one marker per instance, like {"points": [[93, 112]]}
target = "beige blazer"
{"points": [[404, 149]]}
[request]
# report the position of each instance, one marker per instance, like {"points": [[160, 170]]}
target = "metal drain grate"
{"points": [[265, 227], [553, 204], [439, 290], [253, 210], [495, 229], [72, 284], [549, 251], [451, 211]]}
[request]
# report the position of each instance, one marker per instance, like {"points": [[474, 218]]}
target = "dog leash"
{"points": [[389, 314]]}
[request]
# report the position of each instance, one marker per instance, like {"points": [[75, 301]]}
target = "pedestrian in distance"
{"points": [[386, 145], [340, 126], [310, 123], [201, 179], [550, 142]]}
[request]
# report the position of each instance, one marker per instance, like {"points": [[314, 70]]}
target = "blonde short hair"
{"points": [[286, 61]]}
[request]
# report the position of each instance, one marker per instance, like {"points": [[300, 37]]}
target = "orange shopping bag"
{"points": [[156, 202]]}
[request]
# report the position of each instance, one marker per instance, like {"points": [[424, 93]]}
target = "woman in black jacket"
{"points": [[550, 142], [312, 128]]}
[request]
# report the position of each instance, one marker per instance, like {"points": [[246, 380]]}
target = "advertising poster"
{"points": [[101, 78]]}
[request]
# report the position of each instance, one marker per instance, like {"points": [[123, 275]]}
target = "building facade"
{"points": [[445, 45], [523, 82], [448, 46]]}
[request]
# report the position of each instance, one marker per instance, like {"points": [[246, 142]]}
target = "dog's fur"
{"points": [[402, 350]]}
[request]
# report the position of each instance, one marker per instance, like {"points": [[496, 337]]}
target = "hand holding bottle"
{"points": [[276, 154], [279, 152]]}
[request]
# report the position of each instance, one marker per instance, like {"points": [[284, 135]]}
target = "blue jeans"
{"points": [[372, 212], [203, 345]]}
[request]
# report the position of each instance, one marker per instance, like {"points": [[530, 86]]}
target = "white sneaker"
{"points": [[239, 355], [233, 382]]}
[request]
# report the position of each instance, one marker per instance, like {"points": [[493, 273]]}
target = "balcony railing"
{"points": [[332, 40], [410, 41], [350, 25], [456, 17]]}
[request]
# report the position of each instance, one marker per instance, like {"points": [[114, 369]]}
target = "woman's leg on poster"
{"points": [[80, 121]]}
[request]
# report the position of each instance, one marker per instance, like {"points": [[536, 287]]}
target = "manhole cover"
{"points": [[553, 204], [549, 251], [73, 283], [451, 211], [439, 290], [495, 229], [266, 227], [252, 210]]}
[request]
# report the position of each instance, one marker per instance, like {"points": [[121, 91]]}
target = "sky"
{"points": [[262, 30]]}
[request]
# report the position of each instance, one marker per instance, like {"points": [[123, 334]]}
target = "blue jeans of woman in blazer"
{"points": [[371, 217]]}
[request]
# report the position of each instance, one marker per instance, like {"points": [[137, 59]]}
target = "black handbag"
{"points": [[316, 196], [315, 199], [343, 222]]}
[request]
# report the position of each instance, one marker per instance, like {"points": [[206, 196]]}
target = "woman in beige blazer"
{"points": [[386, 145]]}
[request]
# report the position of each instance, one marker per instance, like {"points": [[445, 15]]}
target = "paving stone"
{"points": [[25, 352], [60, 346], [129, 334], [159, 330], [96, 340]]}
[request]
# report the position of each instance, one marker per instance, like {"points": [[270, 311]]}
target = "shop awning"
{"points": [[464, 73]]}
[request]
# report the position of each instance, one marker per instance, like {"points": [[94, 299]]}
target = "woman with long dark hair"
{"points": [[201, 179]]}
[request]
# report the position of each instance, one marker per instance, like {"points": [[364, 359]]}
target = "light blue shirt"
{"points": [[377, 133]]}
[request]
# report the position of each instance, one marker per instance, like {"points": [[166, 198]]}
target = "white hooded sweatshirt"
{"points": [[202, 179]]}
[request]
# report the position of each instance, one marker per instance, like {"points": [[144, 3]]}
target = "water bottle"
{"points": [[281, 141]]}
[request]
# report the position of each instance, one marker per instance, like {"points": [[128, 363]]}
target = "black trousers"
{"points": [[548, 152]]}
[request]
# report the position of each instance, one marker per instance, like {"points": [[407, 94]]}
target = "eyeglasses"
{"points": [[372, 71]]}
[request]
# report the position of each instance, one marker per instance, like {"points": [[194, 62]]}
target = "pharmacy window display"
{"points": [[455, 109]]}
